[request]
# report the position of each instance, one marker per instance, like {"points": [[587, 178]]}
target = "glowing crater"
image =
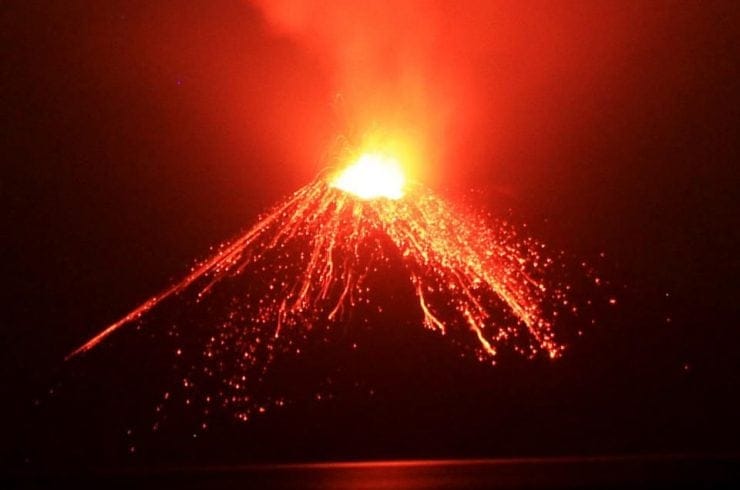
{"points": [[372, 176]]}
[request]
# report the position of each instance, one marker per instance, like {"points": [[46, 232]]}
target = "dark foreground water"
{"points": [[592, 472]]}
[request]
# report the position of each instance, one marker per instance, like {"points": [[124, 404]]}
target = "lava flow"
{"points": [[319, 247], [306, 263]]}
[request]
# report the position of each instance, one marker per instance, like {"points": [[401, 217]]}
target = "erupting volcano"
{"points": [[304, 267]]}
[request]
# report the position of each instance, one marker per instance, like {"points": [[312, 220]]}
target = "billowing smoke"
{"points": [[395, 65], [502, 84]]}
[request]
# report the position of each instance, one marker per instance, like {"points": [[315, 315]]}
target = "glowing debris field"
{"points": [[307, 266]]}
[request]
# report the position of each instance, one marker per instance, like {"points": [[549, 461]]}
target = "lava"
{"points": [[465, 274], [306, 264]]}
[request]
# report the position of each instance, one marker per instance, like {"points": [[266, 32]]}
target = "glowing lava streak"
{"points": [[473, 282]]}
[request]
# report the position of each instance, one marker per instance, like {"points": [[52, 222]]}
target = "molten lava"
{"points": [[307, 262], [462, 270]]}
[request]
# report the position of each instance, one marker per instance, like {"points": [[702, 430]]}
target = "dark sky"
{"points": [[138, 134]]}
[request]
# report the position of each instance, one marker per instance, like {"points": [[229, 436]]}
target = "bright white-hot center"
{"points": [[372, 176]]}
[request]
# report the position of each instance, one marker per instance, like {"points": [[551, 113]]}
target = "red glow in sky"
{"points": [[459, 82]]}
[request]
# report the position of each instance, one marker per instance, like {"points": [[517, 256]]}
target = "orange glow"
{"points": [[372, 176], [481, 84]]}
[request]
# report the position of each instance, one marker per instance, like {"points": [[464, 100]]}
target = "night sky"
{"points": [[136, 135]]}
